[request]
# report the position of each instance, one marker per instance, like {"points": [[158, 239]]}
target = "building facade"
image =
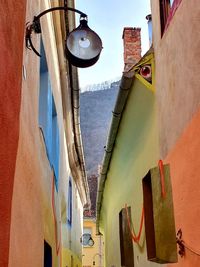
{"points": [[43, 181], [132, 149], [176, 42], [149, 126], [92, 255]]}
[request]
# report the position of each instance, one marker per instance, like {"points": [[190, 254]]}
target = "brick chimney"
{"points": [[132, 46]]}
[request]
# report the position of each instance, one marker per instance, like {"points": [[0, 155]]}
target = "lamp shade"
{"points": [[83, 46]]}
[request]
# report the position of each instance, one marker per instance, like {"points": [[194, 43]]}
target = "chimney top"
{"points": [[132, 46], [130, 30]]}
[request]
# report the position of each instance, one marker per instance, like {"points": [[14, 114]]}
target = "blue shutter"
{"points": [[55, 144], [48, 121]]}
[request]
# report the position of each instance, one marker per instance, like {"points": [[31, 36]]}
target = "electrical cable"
{"points": [[190, 249]]}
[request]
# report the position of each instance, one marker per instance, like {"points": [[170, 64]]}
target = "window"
{"points": [[47, 255], [48, 118], [126, 245], [87, 233], [55, 143], [167, 11], [165, 6], [87, 230], [69, 206]]}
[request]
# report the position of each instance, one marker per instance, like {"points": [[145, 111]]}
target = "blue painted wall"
{"points": [[48, 117]]}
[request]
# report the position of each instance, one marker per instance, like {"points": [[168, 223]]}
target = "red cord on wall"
{"points": [[162, 178], [55, 221], [135, 238]]}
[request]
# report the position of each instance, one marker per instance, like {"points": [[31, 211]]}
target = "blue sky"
{"points": [[108, 18]]}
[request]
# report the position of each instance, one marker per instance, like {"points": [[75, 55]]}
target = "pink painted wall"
{"points": [[178, 100], [184, 161], [32, 191], [12, 21], [177, 70]]}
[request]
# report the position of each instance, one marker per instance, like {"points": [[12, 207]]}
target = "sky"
{"points": [[108, 18]]}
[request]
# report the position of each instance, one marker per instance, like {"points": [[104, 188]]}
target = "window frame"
{"points": [[164, 13], [86, 230], [126, 244], [69, 203], [167, 10]]}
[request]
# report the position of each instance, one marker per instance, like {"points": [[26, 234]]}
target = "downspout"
{"points": [[77, 129], [75, 91], [125, 86], [69, 84]]}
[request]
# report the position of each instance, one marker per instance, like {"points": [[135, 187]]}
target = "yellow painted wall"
{"points": [[70, 259], [93, 256], [135, 152]]}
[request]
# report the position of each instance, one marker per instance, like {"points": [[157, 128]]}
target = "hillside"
{"points": [[95, 114]]}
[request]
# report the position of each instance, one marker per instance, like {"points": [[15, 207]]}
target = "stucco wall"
{"points": [[71, 246], [177, 70], [184, 161], [93, 254], [37, 208], [12, 21], [32, 215], [178, 99], [135, 152]]}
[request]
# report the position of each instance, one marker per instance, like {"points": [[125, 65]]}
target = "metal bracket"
{"points": [[180, 243], [36, 28]]}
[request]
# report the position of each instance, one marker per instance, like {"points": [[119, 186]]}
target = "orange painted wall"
{"points": [[178, 100], [12, 21], [184, 161]]}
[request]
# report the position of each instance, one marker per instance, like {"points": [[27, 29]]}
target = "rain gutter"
{"points": [[75, 103], [70, 104], [125, 86], [77, 131]]}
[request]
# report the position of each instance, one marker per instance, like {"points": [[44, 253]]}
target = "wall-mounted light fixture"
{"points": [[146, 72], [87, 240], [83, 46]]}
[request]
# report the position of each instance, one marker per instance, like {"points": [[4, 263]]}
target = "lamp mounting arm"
{"points": [[59, 8], [35, 25]]}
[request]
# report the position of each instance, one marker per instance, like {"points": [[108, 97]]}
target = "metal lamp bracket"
{"points": [[36, 28]]}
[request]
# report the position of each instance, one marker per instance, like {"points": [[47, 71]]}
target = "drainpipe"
{"points": [[77, 130], [125, 86], [149, 22], [70, 99]]}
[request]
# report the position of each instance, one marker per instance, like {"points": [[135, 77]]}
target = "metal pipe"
{"points": [[125, 86]]}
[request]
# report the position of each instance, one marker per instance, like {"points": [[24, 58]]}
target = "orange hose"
{"points": [[135, 238]]}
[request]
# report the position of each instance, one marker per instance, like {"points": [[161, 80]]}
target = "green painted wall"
{"points": [[135, 152]]}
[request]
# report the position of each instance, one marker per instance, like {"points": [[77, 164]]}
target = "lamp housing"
{"points": [[83, 45]]}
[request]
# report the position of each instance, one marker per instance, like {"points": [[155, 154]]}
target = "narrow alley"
{"points": [[100, 147]]}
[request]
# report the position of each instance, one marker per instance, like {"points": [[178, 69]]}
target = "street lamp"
{"points": [[87, 240], [83, 46]]}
